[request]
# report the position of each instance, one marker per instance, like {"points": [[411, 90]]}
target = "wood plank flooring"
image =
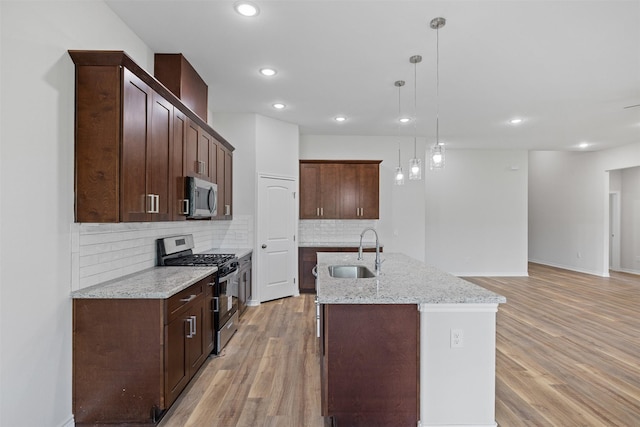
{"points": [[568, 349], [568, 354]]}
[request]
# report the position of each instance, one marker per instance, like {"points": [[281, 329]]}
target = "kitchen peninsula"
{"points": [[379, 335]]}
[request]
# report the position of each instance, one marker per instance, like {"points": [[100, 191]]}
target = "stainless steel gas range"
{"points": [[178, 251]]}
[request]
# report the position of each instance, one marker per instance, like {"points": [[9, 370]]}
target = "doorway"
{"points": [[277, 257]]}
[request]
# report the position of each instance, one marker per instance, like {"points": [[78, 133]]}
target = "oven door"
{"points": [[203, 198], [227, 299]]}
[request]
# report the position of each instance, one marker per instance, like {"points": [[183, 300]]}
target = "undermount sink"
{"points": [[350, 271]]}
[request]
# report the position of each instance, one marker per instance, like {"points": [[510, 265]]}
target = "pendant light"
{"points": [[415, 164], [436, 159], [399, 175]]}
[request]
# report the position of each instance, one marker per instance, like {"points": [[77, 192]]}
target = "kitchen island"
{"points": [[380, 334]]}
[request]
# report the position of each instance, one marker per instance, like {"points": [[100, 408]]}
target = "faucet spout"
{"points": [[378, 263]]}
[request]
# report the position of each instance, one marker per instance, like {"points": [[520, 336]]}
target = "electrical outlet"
{"points": [[457, 338]]}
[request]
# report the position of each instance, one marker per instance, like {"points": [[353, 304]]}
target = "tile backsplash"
{"points": [[102, 252], [334, 231]]}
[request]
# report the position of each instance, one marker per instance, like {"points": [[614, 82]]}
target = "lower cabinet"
{"points": [[307, 260], [244, 282], [133, 357], [370, 364]]}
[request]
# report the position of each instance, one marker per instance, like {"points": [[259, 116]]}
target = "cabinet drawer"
{"points": [[179, 301]]}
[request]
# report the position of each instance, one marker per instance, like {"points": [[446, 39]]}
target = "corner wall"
{"points": [[36, 187]]}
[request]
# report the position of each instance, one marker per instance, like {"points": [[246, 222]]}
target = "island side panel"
{"points": [[458, 374], [371, 356]]}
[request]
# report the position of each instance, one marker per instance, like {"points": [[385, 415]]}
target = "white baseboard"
{"points": [[571, 268], [494, 424], [69, 423]]}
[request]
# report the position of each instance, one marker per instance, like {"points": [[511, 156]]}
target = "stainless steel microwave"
{"points": [[202, 198]]}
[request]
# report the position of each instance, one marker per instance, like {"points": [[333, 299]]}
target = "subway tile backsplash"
{"points": [[102, 252], [334, 231]]}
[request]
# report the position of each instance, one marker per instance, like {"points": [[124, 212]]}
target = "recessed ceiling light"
{"points": [[279, 106], [340, 118], [246, 8], [515, 121], [583, 145], [405, 119], [268, 72]]}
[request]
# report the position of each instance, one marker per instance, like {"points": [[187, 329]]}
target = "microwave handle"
{"points": [[212, 202], [185, 206]]}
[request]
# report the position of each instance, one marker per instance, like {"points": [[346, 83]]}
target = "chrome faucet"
{"points": [[378, 263]]}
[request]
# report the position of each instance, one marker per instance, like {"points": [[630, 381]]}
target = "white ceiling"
{"points": [[568, 68]]}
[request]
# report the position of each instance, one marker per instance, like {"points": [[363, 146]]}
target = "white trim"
{"points": [[69, 423], [494, 424], [458, 308], [571, 268]]}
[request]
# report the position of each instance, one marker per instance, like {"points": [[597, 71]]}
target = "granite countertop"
{"points": [[403, 280], [337, 244], [154, 283]]}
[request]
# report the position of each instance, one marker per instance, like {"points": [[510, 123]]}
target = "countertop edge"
{"points": [[152, 283]]}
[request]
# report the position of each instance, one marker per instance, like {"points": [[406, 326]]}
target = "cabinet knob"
{"points": [[264, 246]]}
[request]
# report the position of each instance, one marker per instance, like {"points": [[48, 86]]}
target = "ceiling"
{"points": [[567, 68]]}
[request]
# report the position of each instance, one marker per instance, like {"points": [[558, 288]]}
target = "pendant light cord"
{"points": [[438, 86], [415, 103]]}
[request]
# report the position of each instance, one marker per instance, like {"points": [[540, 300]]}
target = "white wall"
{"points": [[241, 129], [476, 213], [630, 220], [568, 200], [36, 187], [401, 224], [277, 147]]}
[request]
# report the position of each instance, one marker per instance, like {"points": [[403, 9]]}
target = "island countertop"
{"points": [[154, 283], [403, 280]]}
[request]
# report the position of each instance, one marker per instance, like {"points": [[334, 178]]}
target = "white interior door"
{"points": [[614, 231], [277, 257]]}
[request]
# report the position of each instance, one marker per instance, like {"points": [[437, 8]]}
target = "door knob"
{"points": [[264, 246]]}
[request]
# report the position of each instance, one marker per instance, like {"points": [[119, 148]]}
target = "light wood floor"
{"points": [[567, 354]]}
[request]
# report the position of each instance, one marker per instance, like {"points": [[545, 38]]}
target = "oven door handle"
{"points": [[229, 276]]}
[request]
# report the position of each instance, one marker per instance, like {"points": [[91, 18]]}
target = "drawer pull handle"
{"points": [[191, 297]]}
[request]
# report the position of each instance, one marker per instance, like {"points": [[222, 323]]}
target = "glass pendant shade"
{"points": [[415, 168], [436, 159], [399, 177]]}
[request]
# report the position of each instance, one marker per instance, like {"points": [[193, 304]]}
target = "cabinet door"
{"points": [[137, 103], [191, 166], [207, 323], [309, 191], [223, 173], [159, 158], [176, 365], [196, 337], [349, 192], [176, 177], [204, 146], [329, 191], [369, 191]]}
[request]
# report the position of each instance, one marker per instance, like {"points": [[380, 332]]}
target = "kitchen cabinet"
{"points": [[359, 191], [133, 357], [244, 282], [177, 177], [200, 153], [179, 76], [381, 387], [339, 189], [130, 159], [224, 181], [307, 260], [147, 133]]}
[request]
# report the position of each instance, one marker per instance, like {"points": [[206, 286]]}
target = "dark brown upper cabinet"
{"points": [[339, 189]]}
